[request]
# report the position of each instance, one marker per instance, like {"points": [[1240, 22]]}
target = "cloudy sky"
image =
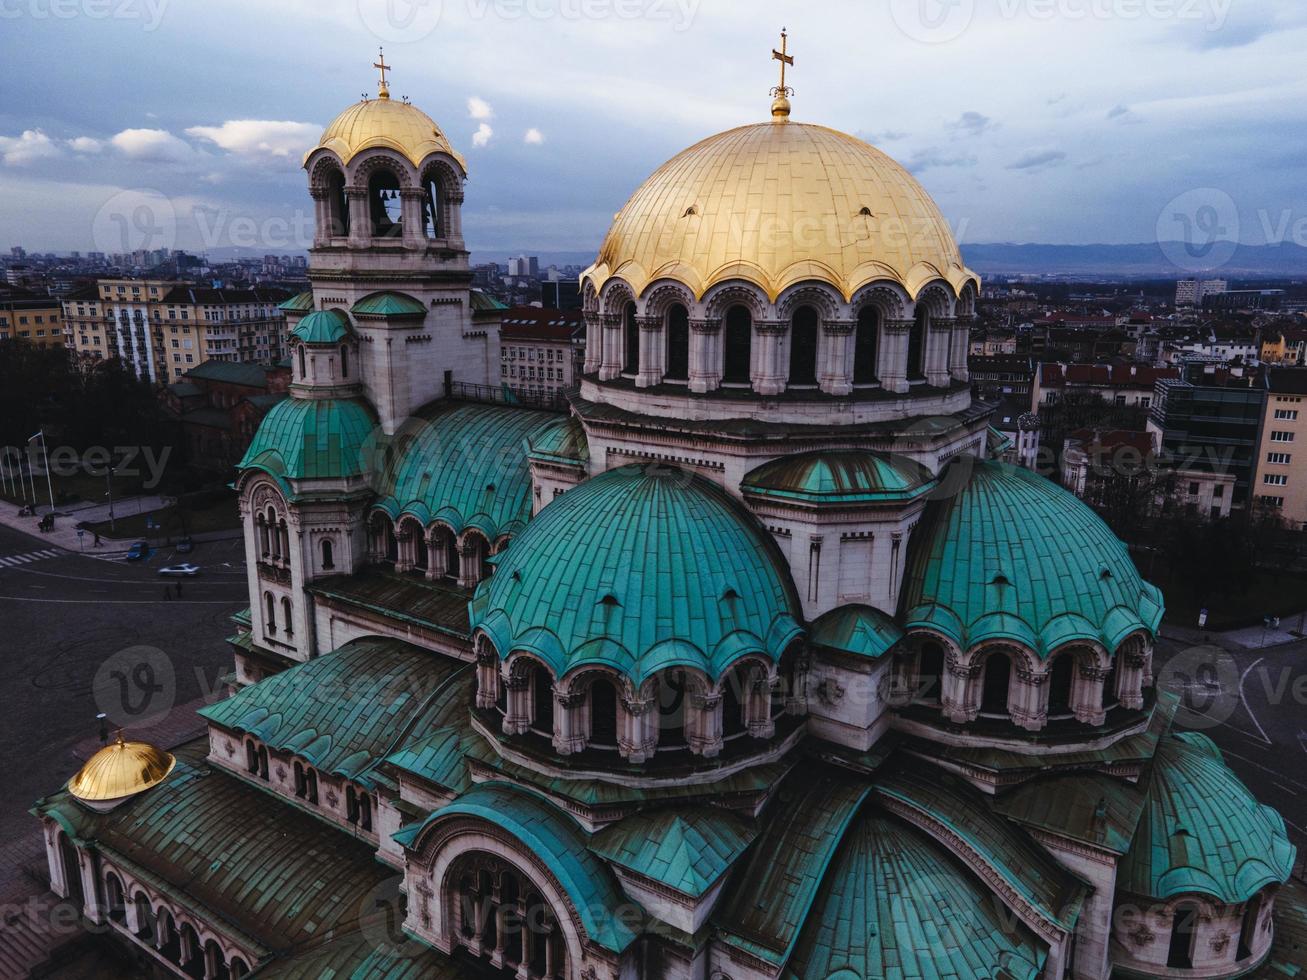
{"points": [[1060, 121]]}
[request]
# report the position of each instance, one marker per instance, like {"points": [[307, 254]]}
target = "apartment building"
{"points": [[1281, 478], [538, 350], [29, 316]]}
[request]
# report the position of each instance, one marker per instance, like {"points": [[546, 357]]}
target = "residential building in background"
{"points": [[27, 315], [164, 329], [219, 406], [1280, 482], [1191, 292], [539, 349], [1117, 384], [1284, 348]]}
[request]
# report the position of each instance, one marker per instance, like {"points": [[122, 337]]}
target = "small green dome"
{"points": [[323, 327], [640, 569], [1202, 832], [313, 439], [858, 629], [1002, 553], [841, 477], [389, 304], [896, 904]]}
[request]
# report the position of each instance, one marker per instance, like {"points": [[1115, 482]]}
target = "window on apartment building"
{"points": [[1218, 492], [1286, 414], [1275, 480], [1272, 501], [1277, 436], [190, 359], [1193, 489], [1279, 459]]}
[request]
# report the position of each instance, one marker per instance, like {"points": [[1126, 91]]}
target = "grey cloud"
{"points": [[971, 124], [1039, 160], [935, 157]]}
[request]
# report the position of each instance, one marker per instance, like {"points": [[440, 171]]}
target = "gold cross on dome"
{"points": [[384, 91], [785, 58]]}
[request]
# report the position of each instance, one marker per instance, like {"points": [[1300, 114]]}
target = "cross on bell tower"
{"points": [[780, 108]]}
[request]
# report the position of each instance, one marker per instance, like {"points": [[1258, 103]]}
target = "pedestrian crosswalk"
{"points": [[12, 561]]}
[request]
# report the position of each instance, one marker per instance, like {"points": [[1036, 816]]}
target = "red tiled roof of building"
{"points": [[534, 323], [1056, 375], [1113, 440]]}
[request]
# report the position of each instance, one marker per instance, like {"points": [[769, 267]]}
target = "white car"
{"points": [[185, 568]]}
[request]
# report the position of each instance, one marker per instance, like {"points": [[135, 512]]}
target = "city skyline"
{"points": [[586, 97]]}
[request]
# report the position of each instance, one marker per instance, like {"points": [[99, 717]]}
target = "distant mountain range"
{"points": [[1150, 260]]}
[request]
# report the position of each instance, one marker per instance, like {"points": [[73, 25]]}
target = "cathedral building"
{"points": [[754, 663]]}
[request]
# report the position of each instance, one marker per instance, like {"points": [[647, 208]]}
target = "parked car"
{"points": [[185, 568], [185, 546], [139, 551]]}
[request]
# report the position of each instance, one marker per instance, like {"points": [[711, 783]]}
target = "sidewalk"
{"points": [[67, 518], [1245, 638]]}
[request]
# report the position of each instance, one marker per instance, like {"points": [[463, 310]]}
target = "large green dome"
{"points": [[1003, 553], [640, 569]]}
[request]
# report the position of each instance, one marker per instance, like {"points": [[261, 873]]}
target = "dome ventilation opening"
{"points": [[690, 212], [1104, 573], [1000, 579], [866, 213]]}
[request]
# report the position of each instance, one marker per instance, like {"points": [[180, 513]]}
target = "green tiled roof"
{"points": [[389, 304], [323, 327], [232, 372], [563, 443], [438, 757], [466, 466], [685, 849], [997, 442], [211, 839], [1202, 832], [841, 477], [299, 303], [859, 629], [660, 568], [1026, 867], [483, 302], [896, 905], [1009, 555], [770, 896], [313, 439], [555, 838], [1083, 806], [367, 954], [344, 711], [431, 605]]}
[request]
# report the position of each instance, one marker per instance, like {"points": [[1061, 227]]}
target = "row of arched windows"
{"points": [[358, 803], [273, 537], [501, 917], [737, 358], [270, 615], [303, 363], [385, 205]]}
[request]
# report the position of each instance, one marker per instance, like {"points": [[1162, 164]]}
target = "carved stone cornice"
{"points": [[771, 328], [898, 326], [838, 328], [942, 323], [711, 325]]}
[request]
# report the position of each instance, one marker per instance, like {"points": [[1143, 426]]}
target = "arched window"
{"points": [[327, 554], [304, 373], [673, 692], [263, 763], [337, 206], [1184, 929], [1248, 928], [286, 617], [1110, 699], [678, 344], [301, 782], [738, 346], [311, 785], [542, 701], [344, 362], [803, 347], [238, 968], [931, 673], [733, 695], [384, 206], [998, 676], [251, 757], [603, 714], [117, 901], [1059, 685], [866, 346], [144, 917], [917, 346], [631, 331], [433, 204], [270, 612]]}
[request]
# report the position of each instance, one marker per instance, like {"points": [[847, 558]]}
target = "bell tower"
{"points": [[388, 252]]}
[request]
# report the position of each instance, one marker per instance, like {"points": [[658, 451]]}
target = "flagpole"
{"points": [[49, 485]]}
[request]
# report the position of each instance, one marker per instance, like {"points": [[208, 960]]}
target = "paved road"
{"points": [[1253, 704], [66, 618]]}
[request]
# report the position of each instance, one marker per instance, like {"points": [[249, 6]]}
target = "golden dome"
{"points": [[120, 770], [382, 122], [775, 204]]}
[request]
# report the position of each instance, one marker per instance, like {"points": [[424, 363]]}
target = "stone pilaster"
{"points": [[594, 343], [892, 357], [488, 679], [960, 348], [410, 201], [835, 377], [960, 692], [360, 222], [705, 355], [1087, 694], [769, 372], [569, 722], [651, 352], [757, 708], [517, 715], [939, 333], [611, 365], [1027, 699], [703, 724], [638, 739]]}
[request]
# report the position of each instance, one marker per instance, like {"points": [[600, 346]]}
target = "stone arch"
{"points": [[674, 694], [937, 299], [615, 295], [473, 549], [823, 298], [441, 185], [414, 552], [745, 688], [383, 543], [662, 295], [723, 296], [889, 298], [366, 164], [966, 304]]}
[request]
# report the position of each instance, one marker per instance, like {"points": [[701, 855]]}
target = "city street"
{"points": [[83, 634], [1253, 704]]}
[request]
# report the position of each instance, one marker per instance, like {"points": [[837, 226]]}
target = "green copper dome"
{"points": [[313, 439], [859, 629], [894, 904], [640, 569], [840, 477], [323, 327], [1202, 832], [1002, 553], [389, 304]]}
